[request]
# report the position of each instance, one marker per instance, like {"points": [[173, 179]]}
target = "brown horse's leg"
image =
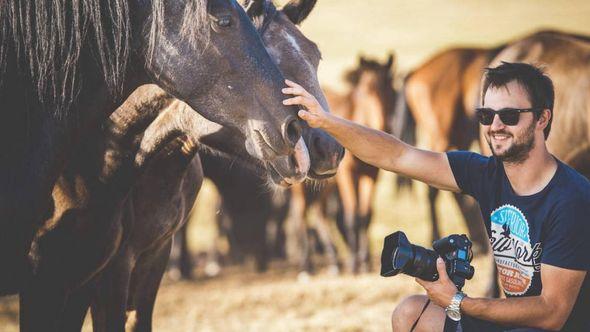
{"points": [[432, 194], [325, 234], [148, 275], [278, 238], [297, 216], [110, 303], [365, 192], [348, 195]]}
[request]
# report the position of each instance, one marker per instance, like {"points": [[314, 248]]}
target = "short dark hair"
{"points": [[535, 82]]}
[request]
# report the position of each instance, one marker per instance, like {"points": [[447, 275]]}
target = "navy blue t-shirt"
{"points": [[550, 227]]}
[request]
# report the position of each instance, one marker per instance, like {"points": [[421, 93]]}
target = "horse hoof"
{"points": [[303, 277], [212, 269], [174, 274], [333, 270]]}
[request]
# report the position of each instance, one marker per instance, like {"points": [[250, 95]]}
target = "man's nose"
{"points": [[497, 123]]}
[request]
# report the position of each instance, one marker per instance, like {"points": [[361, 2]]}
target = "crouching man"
{"points": [[536, 209]]}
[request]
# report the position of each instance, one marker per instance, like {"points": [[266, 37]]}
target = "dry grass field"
{"points": [[241, 300]]}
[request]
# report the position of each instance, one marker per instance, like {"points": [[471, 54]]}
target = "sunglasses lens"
{"points": [[509, 117], [485, 116]]}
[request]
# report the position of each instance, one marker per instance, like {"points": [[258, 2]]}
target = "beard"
{"points": [[518, 152]]}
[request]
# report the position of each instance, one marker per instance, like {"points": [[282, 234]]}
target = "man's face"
{"points": [[510, 143]]}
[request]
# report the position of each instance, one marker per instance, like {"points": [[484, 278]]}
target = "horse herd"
{"points": [[114, 111], [439, 97]]}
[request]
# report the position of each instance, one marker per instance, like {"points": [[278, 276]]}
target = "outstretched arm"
{"points": [[373, 146]]}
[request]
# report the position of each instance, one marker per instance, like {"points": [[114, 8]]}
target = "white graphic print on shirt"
{"points": [[516, 258]]}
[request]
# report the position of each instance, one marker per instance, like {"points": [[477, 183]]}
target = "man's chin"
{"points": [[499, 151]]}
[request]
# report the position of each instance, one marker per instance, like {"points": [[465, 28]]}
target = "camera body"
{"points": [[399, 255]]}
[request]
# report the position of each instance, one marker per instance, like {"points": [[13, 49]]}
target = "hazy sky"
{"points": [[416, 30]]}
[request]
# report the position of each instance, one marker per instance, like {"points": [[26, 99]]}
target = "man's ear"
{"points": [[544, 118]]}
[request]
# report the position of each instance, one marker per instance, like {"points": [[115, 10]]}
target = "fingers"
{"points": [[442, 269], [305, 115], [293, 100], [424, 283], [294, 85], [312, 120], [301, 100], [295, 89]]}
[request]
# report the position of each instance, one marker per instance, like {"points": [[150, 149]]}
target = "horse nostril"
{"points": [[292, 131]]}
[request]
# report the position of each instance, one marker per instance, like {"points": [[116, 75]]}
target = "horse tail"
{"points": [[403, 127]]}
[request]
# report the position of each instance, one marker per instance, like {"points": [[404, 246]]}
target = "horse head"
{"points": [[372, 94], [297, 58], [209, 55]]}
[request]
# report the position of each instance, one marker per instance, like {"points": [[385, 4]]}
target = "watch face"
{"points": [[454, 315]]}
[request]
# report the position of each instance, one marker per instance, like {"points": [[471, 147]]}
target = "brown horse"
{"points": [[370, 102], [441, 96], [565, 57]]}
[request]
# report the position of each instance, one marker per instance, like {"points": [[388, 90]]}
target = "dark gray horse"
{"points": [[97, 221], [60, 57]]}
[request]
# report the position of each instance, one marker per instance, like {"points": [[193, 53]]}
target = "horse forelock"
{"points": [[47, 38], [193, 28]]}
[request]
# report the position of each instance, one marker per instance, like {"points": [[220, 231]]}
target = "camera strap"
{"points": [[450, 325], [421, 312]]}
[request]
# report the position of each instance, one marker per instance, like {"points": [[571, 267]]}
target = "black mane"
{"points": [[46, 38]]}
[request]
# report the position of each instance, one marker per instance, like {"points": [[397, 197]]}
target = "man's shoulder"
{"points": [[471, 158], [572, 190], [573, 183]]}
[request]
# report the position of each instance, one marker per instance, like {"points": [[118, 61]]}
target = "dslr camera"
{"points": [[399, 255]]}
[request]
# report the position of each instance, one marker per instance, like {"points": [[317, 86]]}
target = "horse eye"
{"points": [[224, 21]]}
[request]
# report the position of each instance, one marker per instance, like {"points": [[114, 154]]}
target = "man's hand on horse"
{"points": [[313, 113], [441, 291]]}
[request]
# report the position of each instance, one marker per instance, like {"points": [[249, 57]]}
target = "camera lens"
{"points": [[424, 264], [399, 255]]}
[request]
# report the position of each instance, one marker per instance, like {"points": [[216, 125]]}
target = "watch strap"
{"points": [[454, 308]]}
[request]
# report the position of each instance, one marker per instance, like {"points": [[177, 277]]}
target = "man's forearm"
{"points": [[371, 146], [533, 311]]}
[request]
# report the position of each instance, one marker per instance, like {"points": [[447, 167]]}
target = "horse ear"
{"points": [[298, 10], [362, 61], [390, 60], [253, 7]]}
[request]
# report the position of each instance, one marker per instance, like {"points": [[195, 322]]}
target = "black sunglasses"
{"points": [[509, 116]]}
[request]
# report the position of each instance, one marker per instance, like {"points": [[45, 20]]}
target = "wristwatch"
{"points": [[453, 310]]}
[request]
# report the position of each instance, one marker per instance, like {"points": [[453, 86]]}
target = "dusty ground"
{"points": [[241, 300]]}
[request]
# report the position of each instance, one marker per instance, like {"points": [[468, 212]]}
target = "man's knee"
{"points": [[406, 313]]}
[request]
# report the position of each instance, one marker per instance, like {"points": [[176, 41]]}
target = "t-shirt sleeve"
{"points": [[566, 243], [470, 171]]}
